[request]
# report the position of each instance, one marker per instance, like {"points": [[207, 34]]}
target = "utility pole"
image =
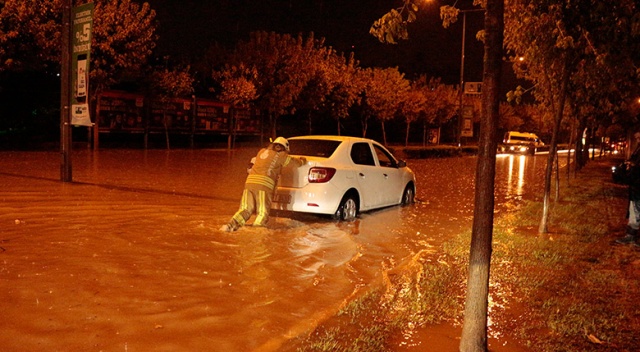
{"points": [[464, 35], [65, 94]]}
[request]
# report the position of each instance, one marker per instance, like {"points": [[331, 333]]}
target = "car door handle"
{"points": [[361, 174], [386, 176]]}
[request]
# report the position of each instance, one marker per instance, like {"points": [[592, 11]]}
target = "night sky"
{"points": [[190, 26]]}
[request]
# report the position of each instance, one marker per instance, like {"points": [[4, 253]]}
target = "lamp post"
{"points": [[464, 33], [65, 91]]}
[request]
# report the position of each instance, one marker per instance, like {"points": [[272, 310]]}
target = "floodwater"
{"points": [[128, 257]]}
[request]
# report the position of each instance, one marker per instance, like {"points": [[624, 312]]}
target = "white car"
{"points": [[343, 176]]}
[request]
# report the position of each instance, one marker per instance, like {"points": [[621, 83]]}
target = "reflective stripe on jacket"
{"points": [[267, 167]]}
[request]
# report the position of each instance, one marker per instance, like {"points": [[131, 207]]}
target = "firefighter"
{"points": [[261, 184]]}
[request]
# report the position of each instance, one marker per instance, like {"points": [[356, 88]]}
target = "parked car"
{"points": [[520, 143], [343, 176]]}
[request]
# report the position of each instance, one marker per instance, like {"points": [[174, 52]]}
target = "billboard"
{"points": [[82, 22]]}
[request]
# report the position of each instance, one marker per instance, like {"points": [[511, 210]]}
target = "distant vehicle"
{"points": [[520, 143], [343, 176]]}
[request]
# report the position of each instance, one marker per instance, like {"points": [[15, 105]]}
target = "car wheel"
{"points": [[408, 196], [348, 209]]}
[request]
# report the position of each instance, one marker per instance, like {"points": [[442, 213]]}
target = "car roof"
{"points": [[335, 138], [522, 134]]}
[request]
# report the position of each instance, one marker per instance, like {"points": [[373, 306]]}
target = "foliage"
{"points": [[412, 107], [393, 24], [583, 51], [123, 39], [237, 84], [171, 84], [284, 65], [443, 101], [346, 88], [29, 34], [382, 94], [430, 100], [167, 85], [522, 117], [596, 43]]}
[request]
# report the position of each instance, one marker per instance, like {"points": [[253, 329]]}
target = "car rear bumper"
{"points": [[312, 198], [516, 149]]}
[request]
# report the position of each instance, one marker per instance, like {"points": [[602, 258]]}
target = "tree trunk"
{"points": [[474, 330], [580, 155], [384, 133], [557, 173], [592, 143], [273, 119], [364, 128], [406, 139], [166, 127], [553, 151], [571, 141]]}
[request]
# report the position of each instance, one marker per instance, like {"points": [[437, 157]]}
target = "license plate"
{"points": [[282, 198]]}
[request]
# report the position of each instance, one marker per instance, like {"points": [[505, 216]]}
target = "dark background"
{"points": [[29, 102], [188, 27]]}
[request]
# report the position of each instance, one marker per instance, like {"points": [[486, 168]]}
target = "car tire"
{"points": [[408, 196], [348, 209]]}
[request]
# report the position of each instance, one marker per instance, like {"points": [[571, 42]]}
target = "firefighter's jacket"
{"points": [[267, 167]]}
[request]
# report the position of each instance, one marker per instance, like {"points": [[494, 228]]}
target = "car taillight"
{"points": [[321, 174]]}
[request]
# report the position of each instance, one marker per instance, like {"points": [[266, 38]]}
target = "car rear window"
{"points": [[524, 139], [313, 147]]}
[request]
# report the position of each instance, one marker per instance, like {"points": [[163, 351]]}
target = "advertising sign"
{"points": [[467, 121], [472, 87], [82, 18]]}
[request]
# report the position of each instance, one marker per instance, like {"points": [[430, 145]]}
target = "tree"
{"points": [[168, 85], [569, 47], [29, 34], [237, 84], [348, 85], [510, 118], [284, 65], [412, 106], [325, 62], [382, 95], [123, 39], [236, 87], [442, 102], [474, 332]]}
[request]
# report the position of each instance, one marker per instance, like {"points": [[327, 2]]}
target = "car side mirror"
{"points": [[401, 164]]}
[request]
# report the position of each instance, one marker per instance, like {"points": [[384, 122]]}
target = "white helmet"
{"points": [[283, 142]]}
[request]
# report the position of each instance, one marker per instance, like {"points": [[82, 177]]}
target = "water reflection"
{"points": [[518, 177], [521, 160]]}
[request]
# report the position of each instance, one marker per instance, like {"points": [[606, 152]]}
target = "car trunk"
{"points": [[296, 177]]}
